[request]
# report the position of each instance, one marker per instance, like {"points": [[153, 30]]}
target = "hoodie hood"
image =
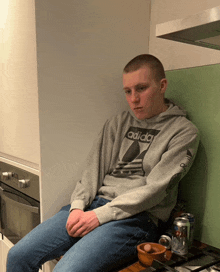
{"points": [[173, 110]]}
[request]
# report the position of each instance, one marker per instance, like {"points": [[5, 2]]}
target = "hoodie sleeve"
{"points": [[160, 184], [95, 169]]}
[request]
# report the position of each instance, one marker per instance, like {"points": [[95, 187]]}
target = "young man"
{"points": [[130, 182]]}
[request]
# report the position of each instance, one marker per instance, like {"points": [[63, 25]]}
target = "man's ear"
{"points": [[163, 85]]}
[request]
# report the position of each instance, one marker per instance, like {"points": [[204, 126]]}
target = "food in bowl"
{"points": [[147, 252]]}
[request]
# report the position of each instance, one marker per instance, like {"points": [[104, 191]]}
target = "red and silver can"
{"points": [[165, 240], [191, 219], [180, 236]]}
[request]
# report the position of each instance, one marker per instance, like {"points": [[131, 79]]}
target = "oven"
{"points": [[19, 202]]}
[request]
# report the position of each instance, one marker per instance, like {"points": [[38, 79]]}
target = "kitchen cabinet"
{"points": [[49, 266], [1, 256], [5, 246], [19, 121]]}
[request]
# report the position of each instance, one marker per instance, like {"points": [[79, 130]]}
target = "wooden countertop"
{"points": [[134, 267]]}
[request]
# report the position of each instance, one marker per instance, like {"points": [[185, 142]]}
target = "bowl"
{"points": [[148, 252]]}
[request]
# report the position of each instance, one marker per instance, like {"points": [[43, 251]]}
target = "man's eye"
{"points": [[127, 91], [142, 88]]}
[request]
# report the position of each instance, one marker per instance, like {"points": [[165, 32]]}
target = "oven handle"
{"points": [[29, 208]]}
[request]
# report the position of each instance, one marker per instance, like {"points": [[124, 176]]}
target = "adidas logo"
{"points": [[141, 134]]}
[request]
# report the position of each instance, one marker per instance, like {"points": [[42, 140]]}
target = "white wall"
{"points": [[82, 47], [176, 55], [19, 124]]}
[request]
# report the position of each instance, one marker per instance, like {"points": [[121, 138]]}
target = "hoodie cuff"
{"points": [[77, 204], [105, 214]]}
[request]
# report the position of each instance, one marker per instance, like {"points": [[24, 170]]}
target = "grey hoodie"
{"points": [[137, 164]]}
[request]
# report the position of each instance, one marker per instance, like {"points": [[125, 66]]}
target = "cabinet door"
{"points": [[1, 262], [5, 245], [49, 266]]}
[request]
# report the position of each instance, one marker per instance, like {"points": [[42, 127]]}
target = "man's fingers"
{"points": [[74, 218], [75, 230], [83, 223], [70, 224]]}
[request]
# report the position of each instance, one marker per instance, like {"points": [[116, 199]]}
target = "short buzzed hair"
{"points": [[146, 60]]}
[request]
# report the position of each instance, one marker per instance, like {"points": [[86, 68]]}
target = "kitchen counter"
{"points": [[137, 266]]}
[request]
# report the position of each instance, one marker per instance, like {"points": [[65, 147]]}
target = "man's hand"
{"points": [[80, 223]]}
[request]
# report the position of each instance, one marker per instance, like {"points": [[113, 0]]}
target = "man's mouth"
{"points": [[138, 108]]}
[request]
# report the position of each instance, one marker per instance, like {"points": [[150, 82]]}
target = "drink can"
{"points": [[165, 240], [180, 236], [191, 219]]}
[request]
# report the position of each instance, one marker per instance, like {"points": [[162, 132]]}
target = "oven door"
{"points": [[19, 213]]}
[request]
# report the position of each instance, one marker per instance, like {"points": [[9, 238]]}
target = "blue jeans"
{"points": [[103, 249]]}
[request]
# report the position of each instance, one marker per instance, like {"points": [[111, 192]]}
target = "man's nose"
{"points": [[134, 97]]}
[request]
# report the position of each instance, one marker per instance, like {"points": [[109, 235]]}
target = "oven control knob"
{"points": [[7, 175], [23, 183]]}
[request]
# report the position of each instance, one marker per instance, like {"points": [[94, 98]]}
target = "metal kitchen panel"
{"points": [[202, 29]]}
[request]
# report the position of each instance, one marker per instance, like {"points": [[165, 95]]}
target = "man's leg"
{"points": [[108, 245], [47, 241]]}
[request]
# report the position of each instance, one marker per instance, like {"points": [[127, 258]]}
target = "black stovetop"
{"points": [[206, 260]]}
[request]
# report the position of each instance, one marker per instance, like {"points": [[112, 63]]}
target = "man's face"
{"points": [[144, 94]]}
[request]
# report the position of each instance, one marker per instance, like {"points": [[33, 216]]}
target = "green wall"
{"points": [[198, 91]]}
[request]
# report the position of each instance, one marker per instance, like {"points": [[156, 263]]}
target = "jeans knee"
{"points": [[14, 255], [17, 259], [12, 258]]}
